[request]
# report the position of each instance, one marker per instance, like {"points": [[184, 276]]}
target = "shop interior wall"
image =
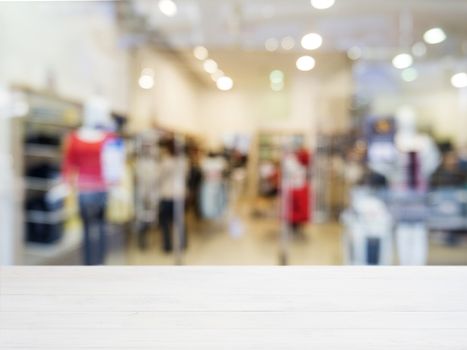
{"points": [[307, 104], [71, 47], [75, 48], [173, 102], [442, 111]]}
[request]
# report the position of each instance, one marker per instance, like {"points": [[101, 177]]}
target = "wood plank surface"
{"points": [[233, 308]]}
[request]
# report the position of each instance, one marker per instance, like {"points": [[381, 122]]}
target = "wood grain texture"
{"points": [[233, 308]]}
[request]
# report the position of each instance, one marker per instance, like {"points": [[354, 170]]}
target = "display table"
{"points": [[233, 308]]}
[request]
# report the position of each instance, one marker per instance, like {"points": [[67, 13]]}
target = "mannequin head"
{"points": [[96, 114]]}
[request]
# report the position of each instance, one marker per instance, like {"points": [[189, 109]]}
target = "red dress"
{"points": [[299, 198]]}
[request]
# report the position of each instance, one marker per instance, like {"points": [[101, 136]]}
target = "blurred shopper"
{"points": [[172, 193], [463, 159], [447, 197], [147, 179], [449, 173], [195, 181]]}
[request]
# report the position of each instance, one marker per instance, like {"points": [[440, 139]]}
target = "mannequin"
{"points": [[416, 157], [93, 162], [295, 171]]}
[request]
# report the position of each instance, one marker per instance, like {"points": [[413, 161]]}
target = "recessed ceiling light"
{"points": [[271, 44], [434, 36], [168, 7], [288, 43], [224, 83], [201, 53], [305, 63], [312, 41], [409, 75], [459, 80], [210, 66], [402, 61], [322, 4]]}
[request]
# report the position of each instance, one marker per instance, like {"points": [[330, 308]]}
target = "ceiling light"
{"points": [[168, 7], [459, 80], [312, 41], [272, 44], [305, 63], [354, 53], [322, 4], [146, 79], [409, 75], [419, 49], [434, 36], [224, 83], [402, 61], [288, 43], [201, 53], [276, 76], [210, 66]]}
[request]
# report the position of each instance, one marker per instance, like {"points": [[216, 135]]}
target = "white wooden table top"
{"points": [[233, 308]]}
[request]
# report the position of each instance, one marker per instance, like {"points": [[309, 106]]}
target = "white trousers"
{"points": [[412, 243]]}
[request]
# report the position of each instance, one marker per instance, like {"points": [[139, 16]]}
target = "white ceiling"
{"points": [[235, 32], [247, 24]]}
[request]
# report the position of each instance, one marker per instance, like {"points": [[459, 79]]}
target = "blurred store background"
{"points": [[234, 132]]}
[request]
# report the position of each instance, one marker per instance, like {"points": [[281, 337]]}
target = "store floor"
{"points": [[319, 244], [210, 243]]}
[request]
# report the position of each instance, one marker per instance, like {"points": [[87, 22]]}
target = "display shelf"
{"points": [[45, 123], [43, 217], [39, 184], [41, 151], [50, 117]]}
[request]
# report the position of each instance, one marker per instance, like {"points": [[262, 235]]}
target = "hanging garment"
{"points": [[120, 206], [299, 205], [213, 199], [297, 189], [213, 192]]}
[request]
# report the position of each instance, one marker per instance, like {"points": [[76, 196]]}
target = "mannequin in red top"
{"points": [[85, 168]]}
